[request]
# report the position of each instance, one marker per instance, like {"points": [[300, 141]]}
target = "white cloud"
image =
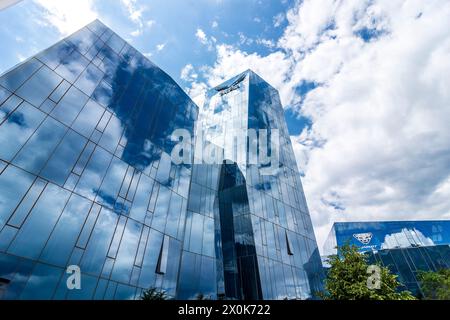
{"points": [[67, 16], [201, 36], [381, 112], [278, 20], [160, 46], [214, 24], [379, 145], [266, 42], [135, 11], [188, 73]]}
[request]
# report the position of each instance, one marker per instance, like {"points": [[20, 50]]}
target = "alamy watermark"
{"points": [[74, 280], [243, 147], [374, 279]]}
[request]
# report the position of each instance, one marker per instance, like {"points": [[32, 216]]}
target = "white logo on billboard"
{"points": [[364, 238]]}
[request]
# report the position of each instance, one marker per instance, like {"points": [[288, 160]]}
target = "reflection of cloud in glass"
{"points": [[406, 238]]}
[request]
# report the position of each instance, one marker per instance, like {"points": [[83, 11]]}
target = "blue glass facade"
{"points": [[405, 247], [368, 236], [86, 179], [264, 242], [408, 262]]}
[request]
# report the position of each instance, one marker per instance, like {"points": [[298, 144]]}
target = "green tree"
{"points": [[347, 279], [153, 294], [435, 285]]}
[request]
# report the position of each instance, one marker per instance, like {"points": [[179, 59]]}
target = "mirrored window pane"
{"points": [[15, 78], [72, 66], [16, 130], [64, 158], [38, 149], [62, 240], [35, 231], [93, 174], [99, 242], [14, 184], [42, 283], [70, 105], [89, 79], [88, 118], [82, 40], [9, 106], [127, 252], [39, 86]]}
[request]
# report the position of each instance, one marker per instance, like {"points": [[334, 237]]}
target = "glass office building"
{"points": [[265, 246], [87, 180], [405, 247]]}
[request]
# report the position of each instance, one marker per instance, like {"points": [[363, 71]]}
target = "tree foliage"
{"points": [[435, 285], [153, 294], [347, 279]]}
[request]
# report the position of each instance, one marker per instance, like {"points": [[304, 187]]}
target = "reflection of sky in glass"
{"points": [[93, 118]]}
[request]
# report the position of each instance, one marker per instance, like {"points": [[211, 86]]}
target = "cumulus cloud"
{"points": [[278, 20], [188, 73], [201, 36], [135, 11], [381, 113], [67, 16], [378, 147], [160, 47]]}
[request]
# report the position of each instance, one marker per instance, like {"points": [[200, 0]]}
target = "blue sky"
{"points": [[365, 83], [171, 25], [168, 32]]}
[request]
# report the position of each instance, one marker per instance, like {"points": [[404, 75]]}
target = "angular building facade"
{"points": [[88, 185], [405, 247]]}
